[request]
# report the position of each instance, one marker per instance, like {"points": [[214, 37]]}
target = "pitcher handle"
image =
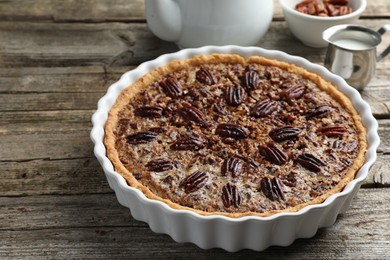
{"points": [[381, 31]]}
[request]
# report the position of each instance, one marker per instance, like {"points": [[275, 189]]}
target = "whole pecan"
{"points": [[332, 131], [250, 80], [192, 113], [233, 166], [141, 137], [231, 196], [171, 87], [205, 76], [310, 162], [284, 133], [194, 181], [232, 131], [159, 165], [183, 144], [148, 111], [235, 95], [293, 92], [264, 108], [272, 188], [318, 111], [273, 154]]}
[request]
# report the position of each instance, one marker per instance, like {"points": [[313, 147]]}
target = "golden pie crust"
{"points": [[153, 79]]}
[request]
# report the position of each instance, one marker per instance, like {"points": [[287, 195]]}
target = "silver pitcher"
{"points": [[351, 52]]}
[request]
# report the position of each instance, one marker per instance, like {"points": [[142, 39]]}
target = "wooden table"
{"points": [[57, 58]]}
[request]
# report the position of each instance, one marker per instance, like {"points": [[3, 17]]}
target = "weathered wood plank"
{"points": [[81, 87], [15, 119], [380, 172], [50, 152], [57, 58], [78, 44], [72, 10], [44, 176], [84, 175], [115, 44], [377, 93], [82, 80], [106, 230], [57, 143], [48, 101], [108, 11], [35, 126]]}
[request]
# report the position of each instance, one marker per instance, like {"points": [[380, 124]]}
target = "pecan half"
{"points": [[293, 92], [232, 131], [194, 181], [231, 196], [343, 10], [205, 76], [284, 133], [192, 113], [235, 95], [148, 111], [250, 80], [183, 144], [274, 154], [233, 166], [141, 137], [159, 165], [317, 112], [218, 107], [272, 188], [332, 131], [171, 87], [264, 108], [310, 162]]}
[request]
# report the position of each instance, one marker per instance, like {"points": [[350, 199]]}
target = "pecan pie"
{"points": [[221, 134]]}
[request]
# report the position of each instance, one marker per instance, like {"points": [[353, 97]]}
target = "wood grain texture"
{"points": [[116, 44], [106, 230], [57, 58], [64, 162], [122, 11], [72, 10]]}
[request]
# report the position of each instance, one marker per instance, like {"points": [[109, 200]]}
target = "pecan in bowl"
{"points": [[315, 16]]}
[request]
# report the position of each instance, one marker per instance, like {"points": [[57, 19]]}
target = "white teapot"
{"points": [[195, 23]]}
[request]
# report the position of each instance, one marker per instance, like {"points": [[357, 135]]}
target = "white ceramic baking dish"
{"points": [[215, 231]]}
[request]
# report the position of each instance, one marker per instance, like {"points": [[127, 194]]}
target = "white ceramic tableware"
{"points": [[231, 234], [308, 28], [191, 23]]}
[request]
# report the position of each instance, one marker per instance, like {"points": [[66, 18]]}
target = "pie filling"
{"points": [[226, 135]]}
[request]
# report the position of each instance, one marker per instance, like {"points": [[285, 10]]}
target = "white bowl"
{"points": [[308, 28], [231, 234]]}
